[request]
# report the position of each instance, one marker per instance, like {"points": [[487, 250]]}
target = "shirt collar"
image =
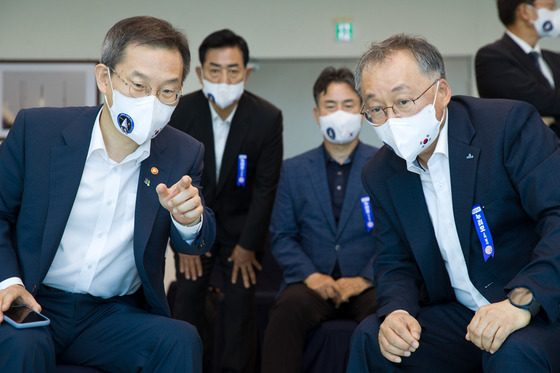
{"points": [[329, 158], [216, 117], [442, 148], [97, 146], [523, 44]]}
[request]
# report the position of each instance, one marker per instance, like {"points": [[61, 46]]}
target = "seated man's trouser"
{"points": [[443, 347], [113, 334], [296, 312]]}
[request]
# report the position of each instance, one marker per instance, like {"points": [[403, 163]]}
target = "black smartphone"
{"points": [[21, 317]]}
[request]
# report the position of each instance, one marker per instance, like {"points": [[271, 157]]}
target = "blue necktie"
{"points": [[535, 56]]}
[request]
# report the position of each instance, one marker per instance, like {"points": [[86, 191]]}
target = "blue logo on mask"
{"points": [[547, 26], [331, 133], [211, 97], [125, 122]]}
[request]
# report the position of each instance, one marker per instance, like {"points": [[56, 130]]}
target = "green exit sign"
{"points": [[344, 31]]}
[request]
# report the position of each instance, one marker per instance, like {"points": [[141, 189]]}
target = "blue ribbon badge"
{"points": [[483, 232], [368, 213], [241, 170]]}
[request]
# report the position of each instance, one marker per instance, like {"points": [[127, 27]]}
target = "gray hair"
{"points": [[143, 30], [428, 57]]}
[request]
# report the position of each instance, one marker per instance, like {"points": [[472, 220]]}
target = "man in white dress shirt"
{"points": [[466, 224], [89, 197], [242, 134]]}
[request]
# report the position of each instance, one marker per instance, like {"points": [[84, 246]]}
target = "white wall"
{"points": [[291, 31], [74, 29]]}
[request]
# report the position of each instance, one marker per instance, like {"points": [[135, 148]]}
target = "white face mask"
{"points": [[408, 137], [141, 118], [222, 94], [548, 23], [340, 127]]}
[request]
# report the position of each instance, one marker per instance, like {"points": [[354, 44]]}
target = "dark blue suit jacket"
{"points": [[504, 70], [41, 165], [502, 157], [304, 236], [242, 212]]}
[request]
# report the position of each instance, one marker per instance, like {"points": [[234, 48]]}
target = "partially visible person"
{"points": [[467, 224], [321, 228], [89, 197], [242, 134], [515, 66]]}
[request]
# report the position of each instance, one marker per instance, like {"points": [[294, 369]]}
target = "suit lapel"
{"points": [[463, 161], [202, 131], [67, 166], [147, 201], [353, 189], [524, 58], [236, 136], [553, 64], [207, 137], [318, 176], [408, 198], [412, 212]]}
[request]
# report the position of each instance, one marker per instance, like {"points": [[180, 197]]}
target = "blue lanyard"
{"points": [[483, 232], [368, 213], [241, 170]]}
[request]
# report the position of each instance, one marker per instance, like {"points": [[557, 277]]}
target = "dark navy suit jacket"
{"points": [[242, 212], [41, 165], [502, 157], [504, 70], [304, 236]]}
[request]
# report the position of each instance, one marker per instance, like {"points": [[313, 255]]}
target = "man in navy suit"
{"points": [[321, 228], [89, 198], [467, 224], [242, 134], [515, 66]]}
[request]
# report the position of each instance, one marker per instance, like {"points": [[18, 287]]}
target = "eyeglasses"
{"points": [[377, 115], [140, 89]]}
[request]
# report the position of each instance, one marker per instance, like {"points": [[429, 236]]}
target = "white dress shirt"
{"points": [[545, 69], [95, 254], [436, 184], [220, 128]]}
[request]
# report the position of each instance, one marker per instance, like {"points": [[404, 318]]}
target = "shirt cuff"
{"points": [[10, 281], [187, 233]]}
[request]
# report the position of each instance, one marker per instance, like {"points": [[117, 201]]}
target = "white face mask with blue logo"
{"points": [[340, 127], [141, 118], [223, 94], [548, 23]]}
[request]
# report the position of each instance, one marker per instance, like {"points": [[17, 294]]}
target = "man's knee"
{"points": [[26, 350], [293, 299], [364, 347], [518, 353], [366, 333], [181, 335]]}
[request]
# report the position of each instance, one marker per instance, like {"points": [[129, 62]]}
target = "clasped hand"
{"points": [[340, 291], [492, 324], [399, 334]]}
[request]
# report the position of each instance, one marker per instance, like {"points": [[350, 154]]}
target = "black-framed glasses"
{"points": [[138, 89], [377, 115]]}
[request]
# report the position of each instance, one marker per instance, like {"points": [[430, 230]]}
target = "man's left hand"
{"points": [[492, 324], [244, 260], [350, 287], [182, 201]]}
